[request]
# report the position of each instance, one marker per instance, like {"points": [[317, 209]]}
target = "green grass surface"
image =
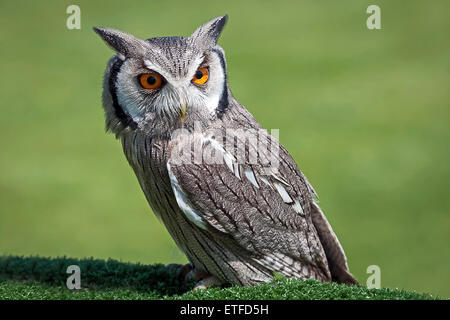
{"points": [[45, 278], [364, 113]]}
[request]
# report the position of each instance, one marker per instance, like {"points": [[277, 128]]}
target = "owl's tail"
{"points": [[337, 262]]}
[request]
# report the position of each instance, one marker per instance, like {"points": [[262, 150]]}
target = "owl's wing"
{"points": [[268, 211]]}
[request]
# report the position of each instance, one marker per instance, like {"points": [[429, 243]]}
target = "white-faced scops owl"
{"points": [[228, 192]]}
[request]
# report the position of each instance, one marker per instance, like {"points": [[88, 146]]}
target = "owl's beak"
{"points": [[183, 111]]}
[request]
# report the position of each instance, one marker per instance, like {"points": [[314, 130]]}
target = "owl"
{"points": [[229, 194]]}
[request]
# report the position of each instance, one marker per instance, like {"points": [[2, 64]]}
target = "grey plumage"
{"points": [[237, 220]]}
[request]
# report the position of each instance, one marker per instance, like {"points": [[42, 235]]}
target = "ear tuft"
{"points": [[122, 42], [209, 32]]}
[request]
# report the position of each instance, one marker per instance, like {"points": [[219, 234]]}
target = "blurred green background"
{"points": [[365, 113]]}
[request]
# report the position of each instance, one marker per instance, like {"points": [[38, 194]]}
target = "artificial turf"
{"points": [[45, 278]]}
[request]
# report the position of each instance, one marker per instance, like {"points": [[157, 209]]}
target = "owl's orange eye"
{"points": [[150, 80], [200, 76]]}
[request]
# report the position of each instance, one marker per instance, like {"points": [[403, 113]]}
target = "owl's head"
{"points": [[161, 84]]}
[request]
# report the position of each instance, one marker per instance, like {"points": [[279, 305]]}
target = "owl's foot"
{"points": [[208, 282], [203, 278], [188, 274], [196, 275], [181, 270]]}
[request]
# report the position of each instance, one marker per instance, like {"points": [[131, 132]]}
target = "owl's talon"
{"points": [[181, 269], [196, 275], [173, 266], [208, 282]]}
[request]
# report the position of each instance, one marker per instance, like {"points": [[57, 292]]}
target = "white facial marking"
{"points": [[215, 84], [153, 67], [130, 106], [194, 66]]}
